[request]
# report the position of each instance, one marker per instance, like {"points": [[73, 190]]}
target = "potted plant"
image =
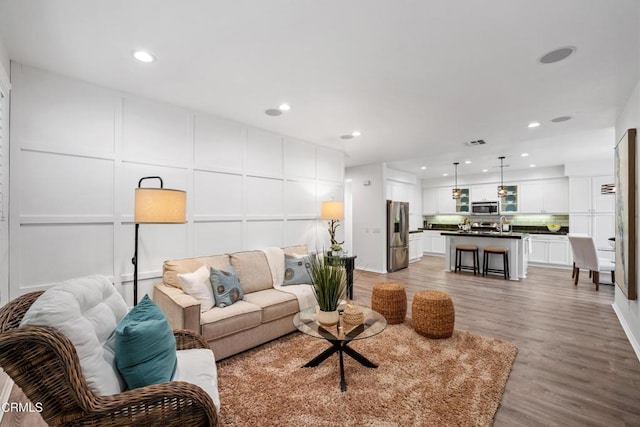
{"points": [[336, 250], [328, 284]]}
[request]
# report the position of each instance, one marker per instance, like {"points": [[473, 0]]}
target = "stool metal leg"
{"points": [[475, 266], [506, 265]]}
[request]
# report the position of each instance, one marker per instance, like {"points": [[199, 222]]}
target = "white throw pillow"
{"points": [[198, 285], [198, 366], [86, 310]]}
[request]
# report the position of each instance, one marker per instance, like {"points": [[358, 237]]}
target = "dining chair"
{"points": [[577, 255], [586, 257]]}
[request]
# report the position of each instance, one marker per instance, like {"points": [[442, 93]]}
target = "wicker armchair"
{"points": [[45, 365]]}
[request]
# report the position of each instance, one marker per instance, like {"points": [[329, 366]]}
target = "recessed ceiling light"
{"points": [[524, 154], [347, 137], [272, 112], [356, 133], [467, 162], [284, 107], [143, 56], [533, 124], [445, 174], [557, 55], [561, 119], [423, 168], [532, 166], [485, 170]]}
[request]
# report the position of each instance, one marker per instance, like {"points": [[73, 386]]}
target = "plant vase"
{"points": [[327, 318]]}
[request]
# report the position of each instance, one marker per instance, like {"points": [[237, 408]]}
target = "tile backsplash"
{"points": [[522, 220]]}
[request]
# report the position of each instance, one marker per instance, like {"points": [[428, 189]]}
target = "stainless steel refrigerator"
{"points": [[397, 235]]}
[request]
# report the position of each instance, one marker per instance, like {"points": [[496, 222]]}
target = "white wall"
{"points": [[368, 207], [629, 311], [4, 176], [78, 151]]}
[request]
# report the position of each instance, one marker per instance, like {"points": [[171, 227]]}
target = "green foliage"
{"points": [[327, 280]]}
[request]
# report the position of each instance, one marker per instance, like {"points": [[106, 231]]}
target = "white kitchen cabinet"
{"points": [[446, 203], [415, 246], [550, 249], [433, 243], [430, 201], [591, 212], [586, 195], [484, 192], [399, 192], [544, 196]]}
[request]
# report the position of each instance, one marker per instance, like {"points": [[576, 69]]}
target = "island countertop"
{"points": [[491, 234]]}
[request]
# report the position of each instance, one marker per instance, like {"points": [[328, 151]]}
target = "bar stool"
{"points": [[474, 253], [492, 250]]}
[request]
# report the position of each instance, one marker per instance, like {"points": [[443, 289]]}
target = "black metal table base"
{"points": [[340, 347]]}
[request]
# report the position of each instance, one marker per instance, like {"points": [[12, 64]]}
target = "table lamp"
{"points": [[334, 212]]}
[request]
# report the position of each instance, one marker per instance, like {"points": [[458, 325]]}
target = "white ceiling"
{"points": [[417, 77]]}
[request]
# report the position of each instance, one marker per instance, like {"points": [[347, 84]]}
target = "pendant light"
{"points": [[455, 193], [502, 190]]}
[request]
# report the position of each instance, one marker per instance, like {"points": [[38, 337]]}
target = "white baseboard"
{"points": [[5, 393], [632, 340]]}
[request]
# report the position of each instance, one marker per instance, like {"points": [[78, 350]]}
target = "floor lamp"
{"points": [[156, 206]]}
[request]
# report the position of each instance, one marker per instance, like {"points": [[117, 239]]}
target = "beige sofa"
{"points": [[265, 313]]}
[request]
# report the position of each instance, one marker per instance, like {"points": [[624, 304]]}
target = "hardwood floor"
{"points": [[575, 366]]}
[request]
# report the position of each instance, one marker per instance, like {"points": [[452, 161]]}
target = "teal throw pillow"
{"points": [[145, 346], [226, 287], [296, 270]]}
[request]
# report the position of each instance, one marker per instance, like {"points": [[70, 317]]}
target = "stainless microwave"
{"points": [[485, 208]]}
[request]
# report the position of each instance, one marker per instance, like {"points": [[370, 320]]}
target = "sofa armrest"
{"points": [[182, 310]]}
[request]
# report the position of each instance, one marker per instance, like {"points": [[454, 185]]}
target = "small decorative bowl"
{"points": [[553, 227]]}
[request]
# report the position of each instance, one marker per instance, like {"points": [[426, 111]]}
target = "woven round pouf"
{"points": [[390, 300], [432, 314]]}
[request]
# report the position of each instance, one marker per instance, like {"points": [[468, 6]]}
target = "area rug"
{"points": [[457, 381]]}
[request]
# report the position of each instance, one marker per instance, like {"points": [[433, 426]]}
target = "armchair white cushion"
{"points": [[87, 311]]}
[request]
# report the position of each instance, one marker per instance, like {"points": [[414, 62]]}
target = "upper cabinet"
{"points": [[544, 196], [585, 194], [484, 192], [439, 200], [538, 196], [430, 200], [446, 203], [510, 200]]}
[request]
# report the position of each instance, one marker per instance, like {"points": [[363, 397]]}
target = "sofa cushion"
{"points": [[145, 346], [170, 269], [274, 304], [253, 270], [198, 285], [197, 366], [226, 287], [220, 322], [296, 270], [86, 310]]}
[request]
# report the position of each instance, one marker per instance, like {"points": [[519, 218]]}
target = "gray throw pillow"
{"points": [[226, 287], [295, 270]]}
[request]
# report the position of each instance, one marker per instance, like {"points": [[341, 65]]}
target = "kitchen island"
{"points": [[517, 243]]}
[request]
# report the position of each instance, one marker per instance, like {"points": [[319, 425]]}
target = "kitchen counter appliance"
{"points": [[485, 208], [397, 235]]}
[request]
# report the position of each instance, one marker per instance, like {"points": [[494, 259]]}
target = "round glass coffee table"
{"points": [[373, 324]]}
